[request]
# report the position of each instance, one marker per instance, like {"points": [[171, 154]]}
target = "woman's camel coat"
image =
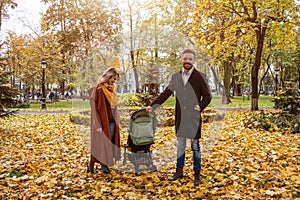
{"points": [[102, 148]]}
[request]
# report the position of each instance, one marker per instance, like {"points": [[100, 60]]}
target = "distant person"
{"points": [[67, 96], [193, 95], [51, 95], [38, 95], [105, 132]]}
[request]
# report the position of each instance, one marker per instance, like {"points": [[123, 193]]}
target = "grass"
{"points": [[264, 101], [237, 102], [52, 106], [79, 104]]}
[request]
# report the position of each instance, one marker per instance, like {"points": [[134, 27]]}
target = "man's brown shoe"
{"points": [[197, 180], [177, 175]]}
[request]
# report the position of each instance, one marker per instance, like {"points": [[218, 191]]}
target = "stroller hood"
{"points": [[142, 127]]}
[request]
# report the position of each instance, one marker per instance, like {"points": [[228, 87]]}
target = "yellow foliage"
{"points": [[115, 63], [39, 160]]}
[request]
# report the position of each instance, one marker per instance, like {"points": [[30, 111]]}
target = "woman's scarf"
{"points": [[109, 92]]}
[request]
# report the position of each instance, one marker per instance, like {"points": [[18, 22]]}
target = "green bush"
{"points": [[71, 117], [124, 99], [80, 118], [22, 104], [136, 99], [145, 99], [133, 100], [84, 117], [273, 121], [288, 99], [168, 114]]}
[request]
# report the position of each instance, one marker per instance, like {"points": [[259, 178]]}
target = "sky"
{"points": [[24, 18]]}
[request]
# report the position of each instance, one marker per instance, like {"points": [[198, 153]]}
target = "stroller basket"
{"points": [[142, 127]]}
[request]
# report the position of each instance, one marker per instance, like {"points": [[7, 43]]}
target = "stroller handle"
{"points": [[151, 114], [144, 111]]}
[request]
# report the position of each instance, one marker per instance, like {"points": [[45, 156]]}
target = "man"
{"points": [[192, 96]]}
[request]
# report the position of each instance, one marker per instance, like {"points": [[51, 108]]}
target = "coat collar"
{"points": [[189, 72]]}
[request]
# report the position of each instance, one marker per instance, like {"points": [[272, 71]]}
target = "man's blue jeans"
{"points": [[181, 146]]}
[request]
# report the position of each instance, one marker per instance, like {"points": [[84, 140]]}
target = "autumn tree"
{"points": [[247, 22], [154, 39], [165, 37], [93, 67], [83, 26], [20, 61]]}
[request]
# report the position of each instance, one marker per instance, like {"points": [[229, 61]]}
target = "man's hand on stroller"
{"points": [[148, 109]]}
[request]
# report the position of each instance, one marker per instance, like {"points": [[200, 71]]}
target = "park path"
{"points": [[42, 112], [67, 112]]}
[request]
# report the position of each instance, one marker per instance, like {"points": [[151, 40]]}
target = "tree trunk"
{"points": [[260, 35], [132, 57], [33, 92], [62, 89], [238, 90], [1, 10], [299, 77], [227, 77], [136, 78], [135, 72], [227, 74], [217, 81], [265, 74]]}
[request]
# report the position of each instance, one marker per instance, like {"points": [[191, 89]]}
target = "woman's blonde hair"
{"points": [[108, 73]]}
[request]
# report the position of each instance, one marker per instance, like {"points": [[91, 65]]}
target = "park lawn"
{"points": [[264, 101], [79, 104], [45, 157], [62, 105]]}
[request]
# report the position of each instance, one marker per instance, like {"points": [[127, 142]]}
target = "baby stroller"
{"points": [[142, 127]]}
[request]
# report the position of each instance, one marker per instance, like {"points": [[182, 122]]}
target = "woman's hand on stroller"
{"points": [[148, 109]]}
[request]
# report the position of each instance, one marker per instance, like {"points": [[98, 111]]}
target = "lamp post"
{"points": [[276, 79], [44, 65]]}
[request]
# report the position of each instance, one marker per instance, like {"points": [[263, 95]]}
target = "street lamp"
{"points": [[44, 65], [277, 69]]}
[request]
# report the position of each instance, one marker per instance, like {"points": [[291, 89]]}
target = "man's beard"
{"points": [[187, 67]]}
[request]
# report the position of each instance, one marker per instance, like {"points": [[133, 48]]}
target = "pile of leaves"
{"points": [[45, 157], [273, 121]]}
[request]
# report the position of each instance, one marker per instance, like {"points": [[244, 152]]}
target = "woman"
{"points": [[105, 132]]}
